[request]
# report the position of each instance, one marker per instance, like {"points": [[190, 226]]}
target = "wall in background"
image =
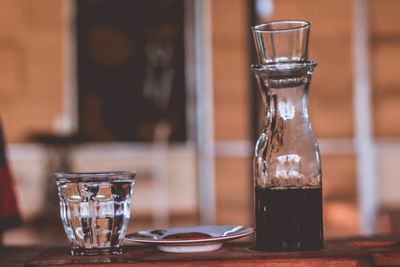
{"points": [[31, 69], [230, 43]]}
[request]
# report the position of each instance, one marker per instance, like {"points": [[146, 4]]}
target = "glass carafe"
{"points": [[287, 167]]}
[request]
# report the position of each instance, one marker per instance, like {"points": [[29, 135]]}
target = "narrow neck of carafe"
{"points": [[285, 88], [287, 103]]}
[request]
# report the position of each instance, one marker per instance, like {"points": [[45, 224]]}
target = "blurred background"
{"points": [[163, 87]]}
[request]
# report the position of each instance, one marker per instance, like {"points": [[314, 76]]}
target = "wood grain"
{"points": [[336, 253]]}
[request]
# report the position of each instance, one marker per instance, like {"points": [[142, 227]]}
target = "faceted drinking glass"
{"points": [[95, 210]]}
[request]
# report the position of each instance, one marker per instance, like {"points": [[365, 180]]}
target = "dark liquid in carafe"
{"points": [[289, 219]]}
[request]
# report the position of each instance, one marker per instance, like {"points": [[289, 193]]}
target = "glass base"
{"points": [[95, 251]]}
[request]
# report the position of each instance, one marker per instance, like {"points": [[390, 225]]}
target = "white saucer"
{"points": [[219, 234]]}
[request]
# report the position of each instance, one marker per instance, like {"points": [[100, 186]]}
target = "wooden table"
{"points": [[357, 252]]}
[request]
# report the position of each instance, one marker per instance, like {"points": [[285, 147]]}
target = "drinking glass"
{"points": [[95, 210], [282, 41]]}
